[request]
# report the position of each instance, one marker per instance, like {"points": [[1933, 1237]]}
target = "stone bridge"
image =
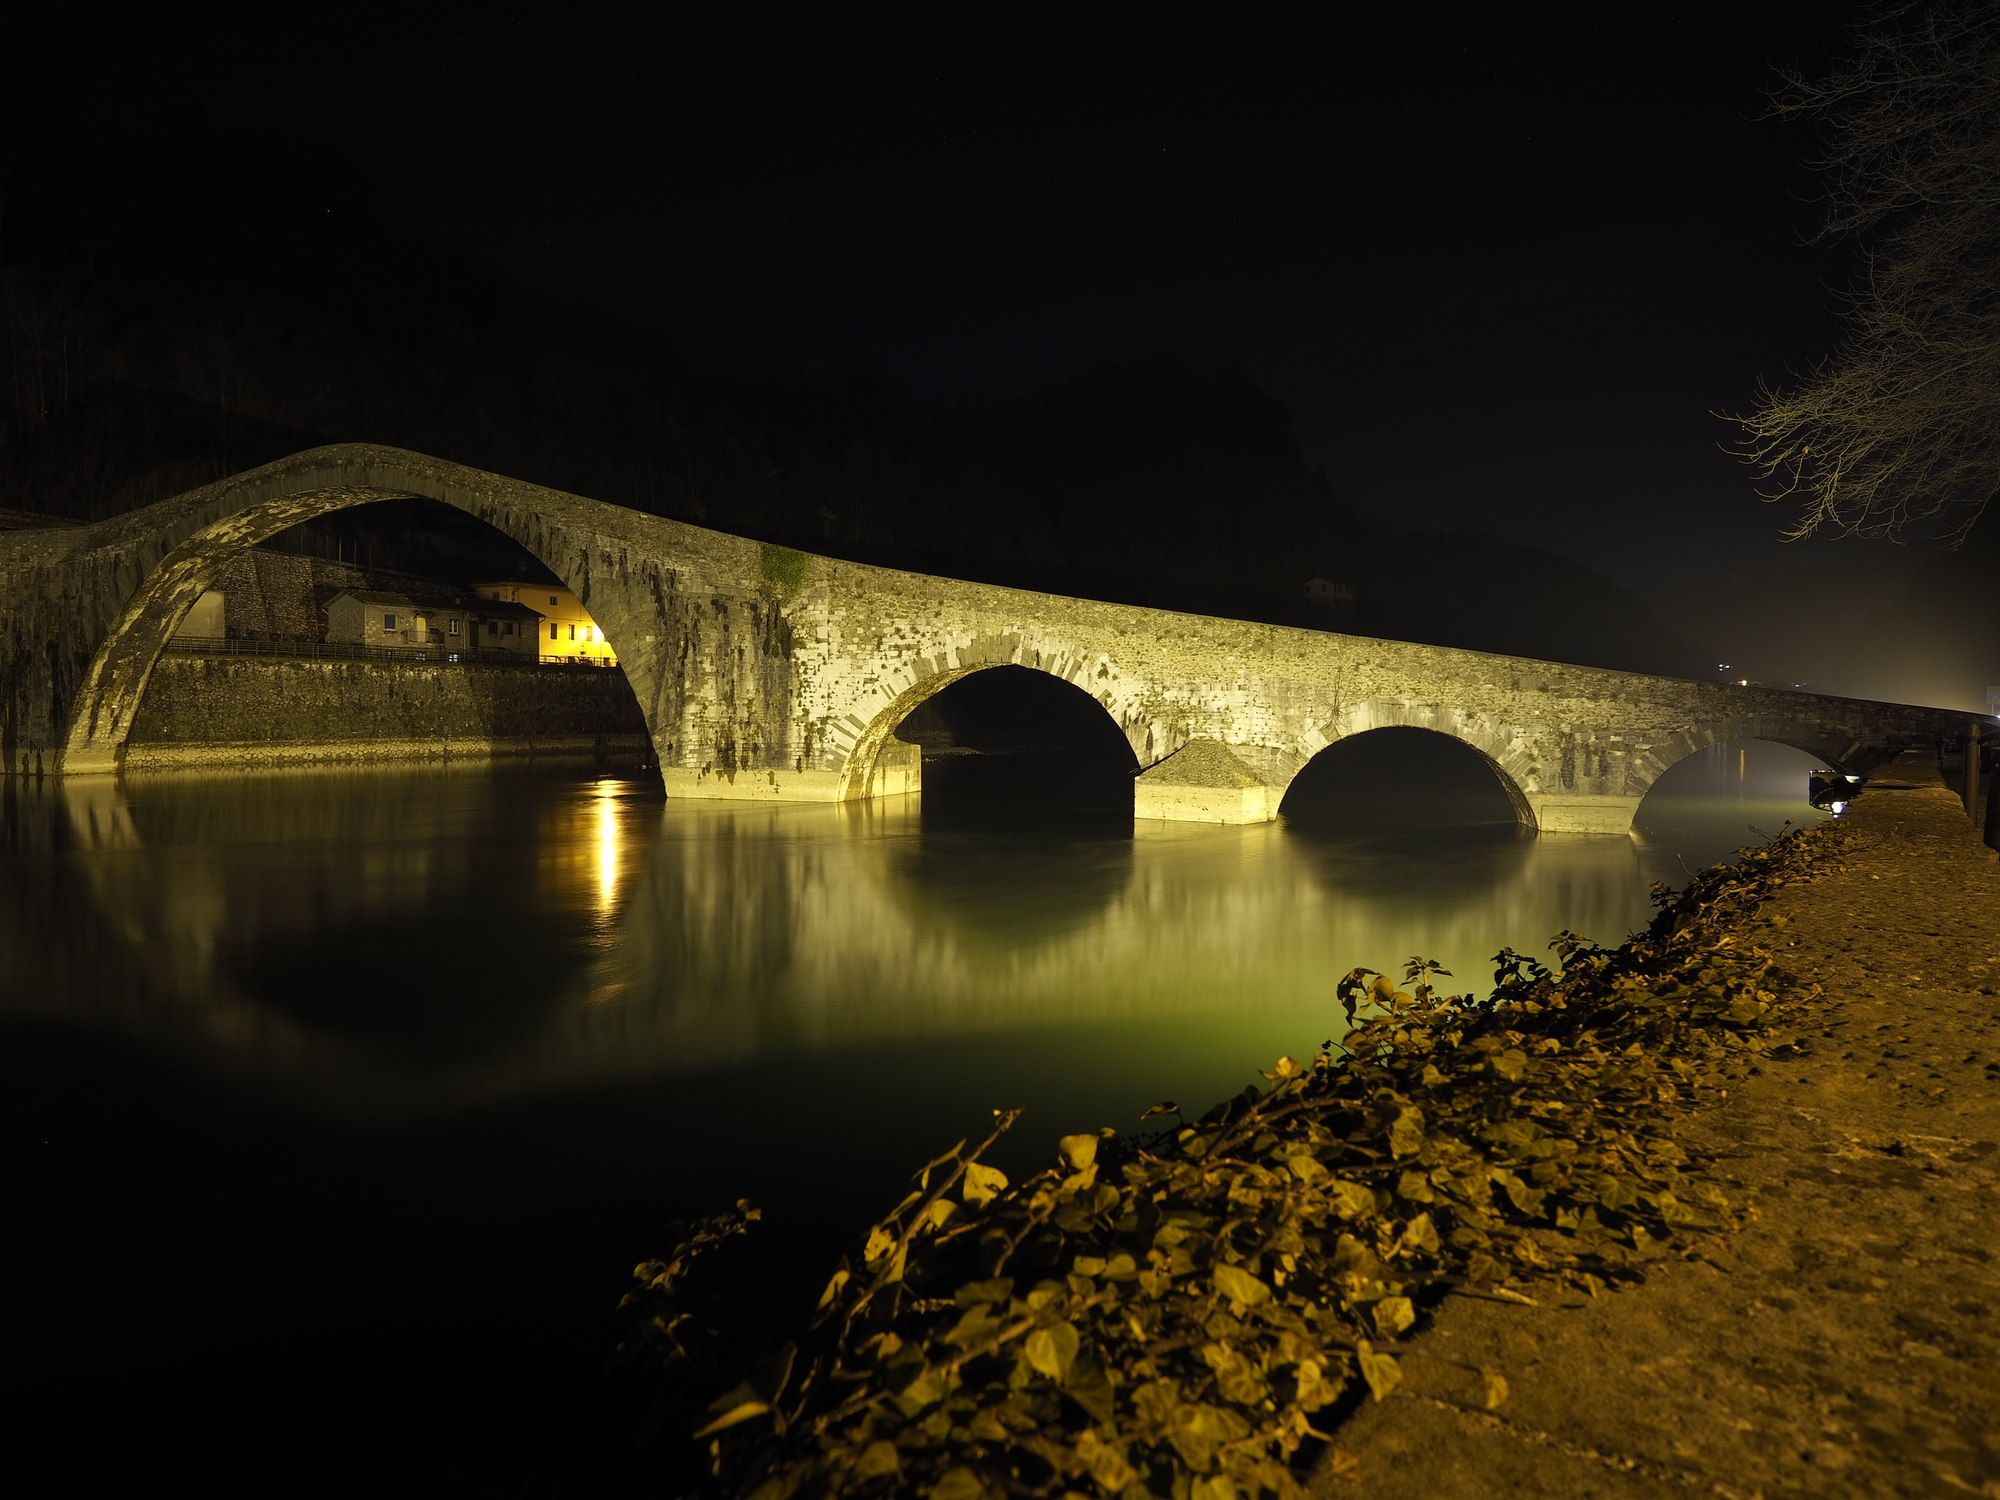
{"points": [[766, 673]]}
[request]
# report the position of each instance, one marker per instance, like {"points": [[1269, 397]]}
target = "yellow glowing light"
{"points": [[608, 850]]}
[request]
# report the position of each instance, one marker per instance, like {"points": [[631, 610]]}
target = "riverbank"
{"points": [[1178, 1311], [1846, 1341]]}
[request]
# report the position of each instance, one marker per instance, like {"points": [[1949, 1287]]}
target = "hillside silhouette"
{"points": [[183, 303]]}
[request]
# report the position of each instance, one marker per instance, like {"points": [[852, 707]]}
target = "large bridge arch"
{"points": [[170, 563]]}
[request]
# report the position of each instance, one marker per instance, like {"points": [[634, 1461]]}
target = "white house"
{"points": [[370, 617]]}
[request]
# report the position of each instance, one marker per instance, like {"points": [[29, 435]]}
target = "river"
{"points": [[339, 1106]]}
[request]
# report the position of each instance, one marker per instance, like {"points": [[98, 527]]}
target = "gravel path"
{"points": [[1846, 1343]]}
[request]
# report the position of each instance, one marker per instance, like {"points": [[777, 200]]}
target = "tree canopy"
{"points": [[1899, 431]]}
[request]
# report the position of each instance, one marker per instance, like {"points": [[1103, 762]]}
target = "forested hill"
{"points": [[186, 303]]}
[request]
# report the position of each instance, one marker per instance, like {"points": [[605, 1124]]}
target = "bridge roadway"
{"points": [[770, 674]]}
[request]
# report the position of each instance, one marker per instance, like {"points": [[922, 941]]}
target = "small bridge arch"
{"points": [[877, 764], [1489, 739]]}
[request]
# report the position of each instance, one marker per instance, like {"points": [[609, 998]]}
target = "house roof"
{"points": [[526, 588], [484, 608]]}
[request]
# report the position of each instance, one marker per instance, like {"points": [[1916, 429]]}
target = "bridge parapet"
{"points": [[767, 674]]}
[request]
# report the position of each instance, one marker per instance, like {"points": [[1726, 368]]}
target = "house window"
{"points": [[554, 631], [388, 622], [572, 632], [552, 598], [492, 627], [454, 627], [509, 628]]}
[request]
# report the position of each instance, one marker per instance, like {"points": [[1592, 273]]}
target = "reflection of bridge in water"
{"points": [[284, 932]]}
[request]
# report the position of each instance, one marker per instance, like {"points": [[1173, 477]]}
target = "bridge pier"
{"points": [[1204, 782], [1577, 812], [897, 770]]}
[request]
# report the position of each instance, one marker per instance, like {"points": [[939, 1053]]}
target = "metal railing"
{"points": [[484, 656]]}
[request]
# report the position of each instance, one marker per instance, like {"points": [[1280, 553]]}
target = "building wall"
{"points": [[205, 620], [246, 709], [567, 629], [278, 596]]}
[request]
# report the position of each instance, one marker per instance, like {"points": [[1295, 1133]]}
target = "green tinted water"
{"points": [[308, 1078]]}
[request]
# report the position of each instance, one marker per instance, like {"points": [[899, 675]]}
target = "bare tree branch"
{"points": [[1901, 427]]}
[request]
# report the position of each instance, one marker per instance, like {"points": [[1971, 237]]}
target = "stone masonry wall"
{"points": [[767, 673], [246, 708]]}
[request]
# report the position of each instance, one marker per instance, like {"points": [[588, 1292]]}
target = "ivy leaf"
{"points": [[1078, 1150], [1351, 1200], [877, 1459], [957, 1484], [983, 1183], [1196, 1430], [743, 1411], [1052, 1350], [1089, 1386], [977, 1326], [1381, 1371], [1238, 1285], [1421, 1234], [1406, 1135], [975, 1292], [1105, 1461]]}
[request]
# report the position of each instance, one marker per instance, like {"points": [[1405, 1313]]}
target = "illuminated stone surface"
{"points": [[764, 673]]}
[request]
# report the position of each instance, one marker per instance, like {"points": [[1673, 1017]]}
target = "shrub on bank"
{"points": [[1169, 1314]]}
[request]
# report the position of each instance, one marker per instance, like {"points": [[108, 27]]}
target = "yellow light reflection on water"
{"points": [[609, 848]]}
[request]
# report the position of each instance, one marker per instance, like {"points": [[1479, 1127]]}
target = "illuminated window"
{"points": [[388, 622], [454, 627]]}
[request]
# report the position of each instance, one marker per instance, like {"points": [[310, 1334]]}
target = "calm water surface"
{"points": [[338, 1107]]}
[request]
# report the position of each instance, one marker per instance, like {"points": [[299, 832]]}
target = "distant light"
{"points": [[1743, 682], [1838, 808]]}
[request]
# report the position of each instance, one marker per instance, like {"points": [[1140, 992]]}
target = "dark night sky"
{"points": [[1502, 265]]}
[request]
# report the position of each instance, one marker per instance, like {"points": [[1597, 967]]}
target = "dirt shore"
{"points": [[1847, 1342]]}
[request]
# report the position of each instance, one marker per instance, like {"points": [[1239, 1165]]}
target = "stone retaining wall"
{"points": [[236, 709]]}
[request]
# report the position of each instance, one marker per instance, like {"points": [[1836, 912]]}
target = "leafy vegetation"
{"points": [[784, 569], [1169, 1314]]}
